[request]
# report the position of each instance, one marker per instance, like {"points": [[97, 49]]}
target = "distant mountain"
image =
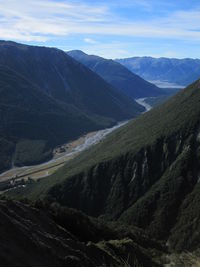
{"points": [[117, 75], [49, 98], [144, 174], [179, 71]]}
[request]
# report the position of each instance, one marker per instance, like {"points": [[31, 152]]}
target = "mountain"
{"points": [[33, 121], [179, 71], [47, 98], [43, 235], [117, 75], [66, 80], [144, 174]]}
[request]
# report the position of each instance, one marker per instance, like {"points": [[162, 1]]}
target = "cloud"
{"points": [[90, 41], [41, 20]]}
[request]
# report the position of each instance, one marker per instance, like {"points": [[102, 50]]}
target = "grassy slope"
{"points": [[155, 101], [179, 114], [162, 148]]}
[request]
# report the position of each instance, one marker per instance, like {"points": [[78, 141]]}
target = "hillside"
{"points": [[33, 121], [49, 98], [180, 71], [64, 79], [44, 235], [144, 174], [117, 75]]}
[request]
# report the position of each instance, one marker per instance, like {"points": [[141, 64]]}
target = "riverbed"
{"points": [[64, 153], [69, 151], [142, 102]]}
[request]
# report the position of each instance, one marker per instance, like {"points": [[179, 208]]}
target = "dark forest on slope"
{"points": [[47, 98], [144, 174]]}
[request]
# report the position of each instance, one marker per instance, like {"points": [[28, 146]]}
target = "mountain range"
{"points": [[178, 71], [130, 200], [47, 98], [144, 174], [117, 75]]}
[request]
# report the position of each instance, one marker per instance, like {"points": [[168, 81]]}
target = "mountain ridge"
{"points": [[67, 101], [180, 71], [114, 73]]}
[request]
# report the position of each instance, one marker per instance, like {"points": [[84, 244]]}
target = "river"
{"points": [[143, 103], [77, 146], [46, 168]]}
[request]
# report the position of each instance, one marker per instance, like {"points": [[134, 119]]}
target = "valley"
{"points": [[117, 75], [166, 84], [61, 155], [144, 174], [142, 102], [37, 114], [99, 133], [98, 166]]}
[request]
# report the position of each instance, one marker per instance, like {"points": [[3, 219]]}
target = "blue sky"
{"points": [[112, 28]]}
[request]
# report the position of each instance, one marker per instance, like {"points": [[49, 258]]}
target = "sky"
{"points": [[108, 28]]}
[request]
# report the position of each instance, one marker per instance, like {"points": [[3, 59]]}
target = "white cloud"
{"points": [[90, 41], [40, 20], [36, 19]]}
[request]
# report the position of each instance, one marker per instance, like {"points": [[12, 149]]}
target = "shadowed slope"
{"points": [[117, 75], [142, 174], [52, 236]]}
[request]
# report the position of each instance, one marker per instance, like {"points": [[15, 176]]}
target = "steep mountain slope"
{"points": [[48, 97], [66, 80], [26, 113], [144, 174], [117, 75], [179, 71], [53, 236]]}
